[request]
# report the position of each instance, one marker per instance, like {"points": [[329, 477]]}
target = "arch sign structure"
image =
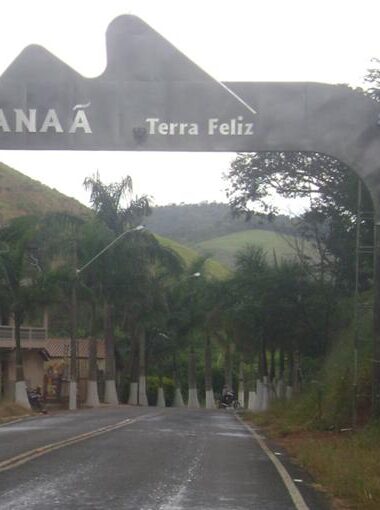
{"points": [[153, 98]]}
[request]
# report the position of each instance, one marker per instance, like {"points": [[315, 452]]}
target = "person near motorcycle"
{"points": [[227, 395]]}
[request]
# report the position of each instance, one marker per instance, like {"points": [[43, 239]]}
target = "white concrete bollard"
{"points": [[289, 392], [73, 395], [266, 395], [161, 397], [241, 397], [193, 401], [280, 389], [143, 399], [133, 394], [110, 393], [251, 400], [178, 398], [92, 399], [210, 400], [257, 406], [21, 396]]}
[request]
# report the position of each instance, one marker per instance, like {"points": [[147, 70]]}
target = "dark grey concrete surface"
{"points": [[169, 460]]}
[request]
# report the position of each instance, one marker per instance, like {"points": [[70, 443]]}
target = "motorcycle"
{"points": [[35, 400], [229, 401]]}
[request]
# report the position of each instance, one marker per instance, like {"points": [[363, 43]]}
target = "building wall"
{"points": [[33, 371]]}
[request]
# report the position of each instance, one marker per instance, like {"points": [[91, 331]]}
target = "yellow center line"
{"points": [[24, 457]]}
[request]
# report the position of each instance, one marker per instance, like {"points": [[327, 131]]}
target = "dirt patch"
{"points": [[10, 411]]}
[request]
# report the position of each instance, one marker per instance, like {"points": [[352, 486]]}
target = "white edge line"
{"points": [[294, 493]]}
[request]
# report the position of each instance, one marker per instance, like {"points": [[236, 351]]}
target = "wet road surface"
{"points": [[172, 459]]}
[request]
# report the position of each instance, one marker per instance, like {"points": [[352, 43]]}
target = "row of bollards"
{"points": [[258, 400]]}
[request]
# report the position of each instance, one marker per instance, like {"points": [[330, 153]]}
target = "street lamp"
{"points": [[73, 342], [193, 401], [135, 229]]}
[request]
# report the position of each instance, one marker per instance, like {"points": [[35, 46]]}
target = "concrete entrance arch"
{"points": [[153, 98]]}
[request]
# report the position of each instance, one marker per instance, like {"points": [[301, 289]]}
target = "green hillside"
{"points": [[224, 248], [214, 268], [20, 195]]}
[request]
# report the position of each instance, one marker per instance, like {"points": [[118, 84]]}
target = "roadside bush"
{"points": [[152, 385]]}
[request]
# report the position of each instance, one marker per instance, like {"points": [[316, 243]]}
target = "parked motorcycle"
{"points": [[229, 400], [35, 400]]}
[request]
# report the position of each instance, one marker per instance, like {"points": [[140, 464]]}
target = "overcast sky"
{"points": [[240, 40]]}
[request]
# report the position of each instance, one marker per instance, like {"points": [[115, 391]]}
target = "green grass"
{"points": [[224, 248], [213, 268], [316, 427], [345, 464]]}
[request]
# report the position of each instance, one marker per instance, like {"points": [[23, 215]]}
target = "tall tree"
{"points": [[329, 221], [25, 281], [115, 206]]}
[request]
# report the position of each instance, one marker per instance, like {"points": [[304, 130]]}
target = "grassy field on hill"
{"points": [[224, 248], [20, 195], [214, 268]]}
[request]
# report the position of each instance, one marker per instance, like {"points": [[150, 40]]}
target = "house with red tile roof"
{"points": [[45, 361]]}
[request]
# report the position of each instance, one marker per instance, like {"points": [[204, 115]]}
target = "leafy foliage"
{"points": [[329, 223]]}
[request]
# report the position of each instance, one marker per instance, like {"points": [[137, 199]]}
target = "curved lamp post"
{"points": [[73, 343]]}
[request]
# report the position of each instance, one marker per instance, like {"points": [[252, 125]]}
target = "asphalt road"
{"points": [[142, 459]]}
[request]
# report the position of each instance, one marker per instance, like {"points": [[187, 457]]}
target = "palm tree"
{"points": [[25, 282], [150, 267], [115, 206], [63, 236]]}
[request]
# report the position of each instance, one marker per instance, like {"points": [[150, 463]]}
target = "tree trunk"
{"points": [[282, 363], [133, 398], [289, 388], [241, 389], [210, 398], [272, 370], [110, 394], [161, 402], [228, 367], [193, 401], [178, 398], [264, 360], [73, 387], [92, 381], [280, 387], [296, 372], [21, 396], [143, 400]]}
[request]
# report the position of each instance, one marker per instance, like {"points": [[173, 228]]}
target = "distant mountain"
{"points": [[20, 195], [192, 223], [210, 229]]}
